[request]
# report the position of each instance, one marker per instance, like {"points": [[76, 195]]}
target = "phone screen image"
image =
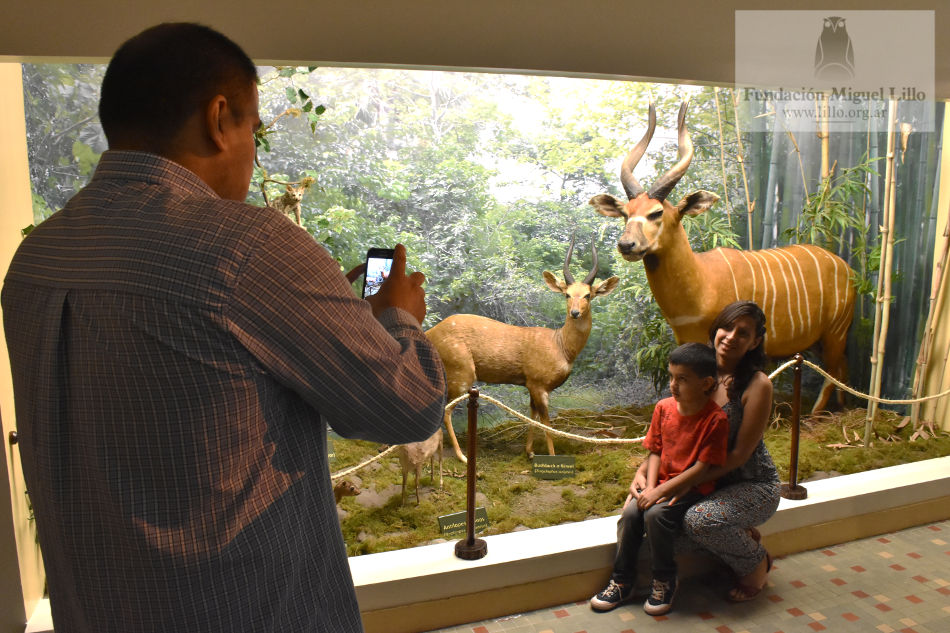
{"points": [[379, 261]]}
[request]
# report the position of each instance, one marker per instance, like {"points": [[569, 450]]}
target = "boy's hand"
{"points": [[638, 484], [649, 498]]}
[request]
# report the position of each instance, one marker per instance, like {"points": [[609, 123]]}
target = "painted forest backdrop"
{"points": [[485, 177]]}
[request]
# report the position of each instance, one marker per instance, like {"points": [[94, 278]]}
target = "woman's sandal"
{"points": [[743, 593]]}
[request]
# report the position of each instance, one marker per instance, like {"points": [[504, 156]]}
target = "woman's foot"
{"points": [[750, 586]]}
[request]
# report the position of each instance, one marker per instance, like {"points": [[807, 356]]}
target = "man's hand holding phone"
{"points": [[399, 290]]}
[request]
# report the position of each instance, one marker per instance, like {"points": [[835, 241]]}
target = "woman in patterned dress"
{"points": [[747, 491]]}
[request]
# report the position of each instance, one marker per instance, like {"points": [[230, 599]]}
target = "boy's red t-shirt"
{"points": [[681, 441]]}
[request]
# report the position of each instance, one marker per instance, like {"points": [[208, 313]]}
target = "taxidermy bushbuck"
{"points": [[478, 348], [804, 290], [413, 456], [345, 488]]}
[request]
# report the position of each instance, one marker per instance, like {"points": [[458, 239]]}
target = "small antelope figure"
{"points": [[289, 203], [804, 290], [477, 348], [414, 455], [344, 488]]}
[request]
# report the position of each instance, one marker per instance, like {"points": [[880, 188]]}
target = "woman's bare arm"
{"points": [[756, 407]]}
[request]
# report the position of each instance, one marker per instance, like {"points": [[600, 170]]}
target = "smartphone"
{"points": [[379, 261]]}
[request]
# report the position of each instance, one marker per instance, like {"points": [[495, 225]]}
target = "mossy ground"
{"points": [[514, 499]]}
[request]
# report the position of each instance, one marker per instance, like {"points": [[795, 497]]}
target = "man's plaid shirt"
{"points": [[176, 358]]}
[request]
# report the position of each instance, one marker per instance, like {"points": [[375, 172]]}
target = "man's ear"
{"points": [[709, 384], [216, 116]]}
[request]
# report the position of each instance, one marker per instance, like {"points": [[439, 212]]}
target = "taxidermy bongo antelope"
{"points": [[478, 348], [804, 290]]}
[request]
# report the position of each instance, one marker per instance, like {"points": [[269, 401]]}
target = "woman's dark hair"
{"points": [[754, 360], [160, 77]]}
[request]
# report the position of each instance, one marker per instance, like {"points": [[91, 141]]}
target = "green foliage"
{"points": [[64, 138], [835, 208], [484, 178], [835, 212]]}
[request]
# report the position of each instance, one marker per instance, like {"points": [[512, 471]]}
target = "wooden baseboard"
{"points": [[493, 603], [857, 527], [425, 616]]}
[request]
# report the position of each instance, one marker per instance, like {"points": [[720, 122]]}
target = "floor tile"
{"points": [[894, 583]]}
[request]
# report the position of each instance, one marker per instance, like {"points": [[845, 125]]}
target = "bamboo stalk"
{"points": [[863, 254], [821, 112], [823, 136], [882, 309], [801, 166], [745, 182], [722, 161], [940, 381], [923, 358], [769, 220]]}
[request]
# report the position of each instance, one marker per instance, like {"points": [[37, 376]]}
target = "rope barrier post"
{"points": [[471, 548], [792, 490]]}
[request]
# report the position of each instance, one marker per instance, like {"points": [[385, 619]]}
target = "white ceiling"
{"points": [[686, 41]]}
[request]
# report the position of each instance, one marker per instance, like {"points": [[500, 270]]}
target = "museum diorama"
{"points": [[833, 227]]}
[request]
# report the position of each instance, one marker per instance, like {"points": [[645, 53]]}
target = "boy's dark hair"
{"points": [[160, 77], [699, 357]]}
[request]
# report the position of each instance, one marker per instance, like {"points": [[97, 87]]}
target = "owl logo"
{"points": [[834, 55]]}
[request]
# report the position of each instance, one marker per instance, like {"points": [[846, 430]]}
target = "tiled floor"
{"points": [[899, 582]]}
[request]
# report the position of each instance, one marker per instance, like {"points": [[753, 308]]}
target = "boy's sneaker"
{"points": [[613, 595], [661, 598]]}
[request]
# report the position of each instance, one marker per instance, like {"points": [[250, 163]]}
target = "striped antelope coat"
{"points": [[804, 290]]}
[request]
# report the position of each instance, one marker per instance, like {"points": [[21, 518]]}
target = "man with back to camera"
{"points": [[173, 352]]}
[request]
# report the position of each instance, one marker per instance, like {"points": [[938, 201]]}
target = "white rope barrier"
{"points": [[451, 405], [553, 431], [854, 392], [344, 473], [624, 440]]}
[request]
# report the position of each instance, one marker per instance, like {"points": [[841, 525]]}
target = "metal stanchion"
{"points": [[792, 490], [471, 548]]}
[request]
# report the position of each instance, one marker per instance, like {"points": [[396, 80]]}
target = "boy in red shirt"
{"points": [[687, 436]]}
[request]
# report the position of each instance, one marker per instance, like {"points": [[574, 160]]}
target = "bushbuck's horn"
{"points": [[630, 184], [589, 279], [662, 187], [568, 277]]}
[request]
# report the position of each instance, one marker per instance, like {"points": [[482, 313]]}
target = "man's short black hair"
{"points": [[699, 357], [160, 77]]}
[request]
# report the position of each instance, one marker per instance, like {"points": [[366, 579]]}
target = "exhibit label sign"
{"points": [[454, 524], [553, 466]]}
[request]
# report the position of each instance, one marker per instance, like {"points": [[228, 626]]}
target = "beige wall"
{"points": [[21, 569], [685, 41]]}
